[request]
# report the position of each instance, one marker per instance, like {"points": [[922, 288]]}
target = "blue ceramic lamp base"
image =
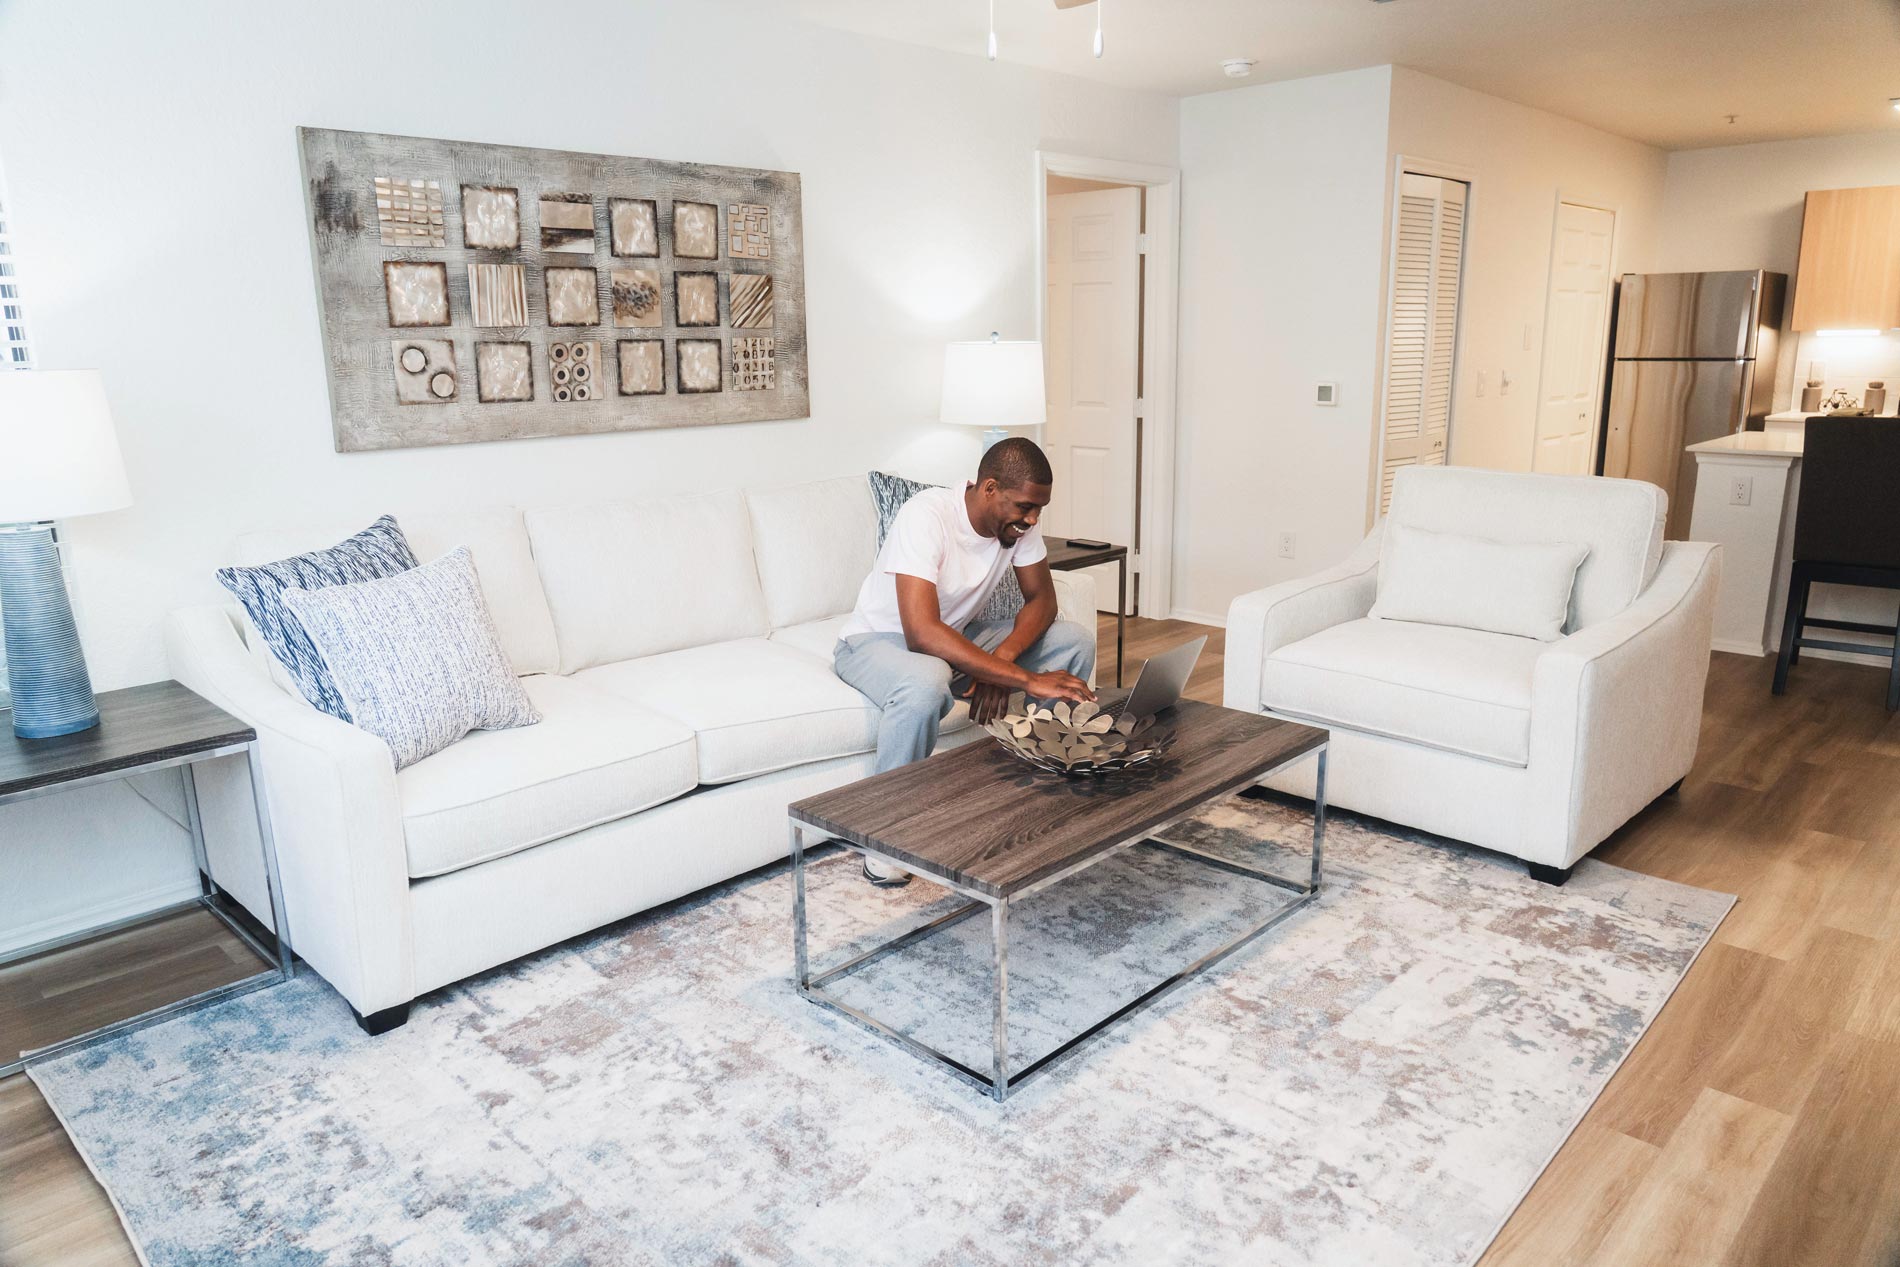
{"points": [[46, 669]]}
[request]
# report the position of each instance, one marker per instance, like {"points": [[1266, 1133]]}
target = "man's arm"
{"points": [[925, 632], [987, 699]]}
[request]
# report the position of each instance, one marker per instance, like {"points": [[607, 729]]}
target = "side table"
{"points": [[143, 728], [1066, 556]]}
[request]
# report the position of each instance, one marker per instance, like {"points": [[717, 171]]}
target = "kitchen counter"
{"points": [[1745, 490], [1766, 444]]}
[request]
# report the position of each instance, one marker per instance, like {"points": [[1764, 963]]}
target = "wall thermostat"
{"points": [[1326, 394]]}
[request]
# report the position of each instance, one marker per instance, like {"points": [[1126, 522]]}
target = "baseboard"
{"points": [[1738, 648], [1875, 656], [129, 906], [1199, 618]]}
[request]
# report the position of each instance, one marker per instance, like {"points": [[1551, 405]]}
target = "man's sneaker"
{"points": [[885, 877]]}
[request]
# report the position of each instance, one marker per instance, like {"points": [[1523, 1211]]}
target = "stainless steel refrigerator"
{"points": [[1694, 360]]}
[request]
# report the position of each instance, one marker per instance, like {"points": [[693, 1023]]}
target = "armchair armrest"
{"points": [[335, 814], [1260, 623], [1616, 709]]}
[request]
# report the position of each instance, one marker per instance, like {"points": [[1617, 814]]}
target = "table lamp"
{"points": [[994, 385], [59, 458]]}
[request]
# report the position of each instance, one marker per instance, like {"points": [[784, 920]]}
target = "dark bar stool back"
{"points": [[1846, 532]]}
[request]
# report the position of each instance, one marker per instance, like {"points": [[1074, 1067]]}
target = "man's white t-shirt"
{"points": [[932, 539]]}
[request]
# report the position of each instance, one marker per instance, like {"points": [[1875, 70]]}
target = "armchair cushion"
{"points": [[1520, 588], [1462, 690]]}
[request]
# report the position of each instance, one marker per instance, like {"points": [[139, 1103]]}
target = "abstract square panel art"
{"points": [[416, 294], [567, 223], [699, 365], [642, 367], [504, 372], [752, 365], [573, 297], [498, 294], [574, 371], [695, 231], [409, 212], [425, 371], [636, 295], [491, 217], [751, 300], [749, 231], [696, 299], [635, 227], [473, 293]]}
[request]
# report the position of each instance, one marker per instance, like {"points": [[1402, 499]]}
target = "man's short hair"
{"points": [[1015, 463]]}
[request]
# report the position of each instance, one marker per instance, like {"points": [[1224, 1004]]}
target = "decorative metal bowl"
{"points": [[1079, 741]]}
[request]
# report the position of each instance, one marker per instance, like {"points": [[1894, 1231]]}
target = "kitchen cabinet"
{"points": [[1849, 275]]}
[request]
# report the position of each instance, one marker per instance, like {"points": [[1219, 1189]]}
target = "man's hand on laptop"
{"points": [[1057, 685]]}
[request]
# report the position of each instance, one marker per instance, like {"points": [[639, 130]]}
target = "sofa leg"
{"points": [[384, 1021], [1548, 875]]}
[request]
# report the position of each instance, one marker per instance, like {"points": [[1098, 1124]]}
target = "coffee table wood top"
{"points": [[985, 821]]}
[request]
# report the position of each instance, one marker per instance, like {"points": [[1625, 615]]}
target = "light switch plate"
{"points": [[1326, 394]]}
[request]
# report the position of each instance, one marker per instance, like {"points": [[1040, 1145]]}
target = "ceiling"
{"points": [[1663, 71]]}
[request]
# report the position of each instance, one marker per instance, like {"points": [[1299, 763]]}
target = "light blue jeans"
{"points": [[916, 691]]}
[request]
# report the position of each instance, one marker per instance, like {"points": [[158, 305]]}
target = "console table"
{"points": [[1067, 556], [143, 728]]}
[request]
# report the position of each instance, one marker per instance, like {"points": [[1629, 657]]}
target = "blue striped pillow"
{"points": [[377, 551]]}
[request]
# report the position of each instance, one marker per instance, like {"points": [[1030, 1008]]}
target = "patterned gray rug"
{"points": [[1380, 1079]]}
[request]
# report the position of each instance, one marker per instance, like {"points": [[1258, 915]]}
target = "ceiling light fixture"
{"points": [[1098, 26], [1238, 67], [1894, 102], [992, 44], [1846, 334]]}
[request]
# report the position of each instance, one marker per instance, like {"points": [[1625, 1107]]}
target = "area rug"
{"points": [[1379, 1079]]}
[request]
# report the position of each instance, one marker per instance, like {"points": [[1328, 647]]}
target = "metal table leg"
{"points": [[1121, 614], [999, 938]]}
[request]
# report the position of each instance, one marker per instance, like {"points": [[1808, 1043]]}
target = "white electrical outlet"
{"points": [[1288, 541], [1741, 490]]}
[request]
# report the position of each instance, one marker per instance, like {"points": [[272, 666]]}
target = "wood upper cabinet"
{"points": [[1849, 275]]}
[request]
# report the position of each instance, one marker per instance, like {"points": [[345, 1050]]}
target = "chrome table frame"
{"points": [[1000, 1081], [283, 968]]}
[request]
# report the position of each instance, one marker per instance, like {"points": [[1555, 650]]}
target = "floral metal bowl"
{"points": [[1076, 740]]}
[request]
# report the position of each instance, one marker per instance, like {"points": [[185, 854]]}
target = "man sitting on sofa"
{"points": [[913, 645]]}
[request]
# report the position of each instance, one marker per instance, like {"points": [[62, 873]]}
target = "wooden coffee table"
{"points": [[981, 823]]}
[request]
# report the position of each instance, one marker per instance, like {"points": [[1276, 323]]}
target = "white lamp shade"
{"points": [[993, 384], [59, 456]]}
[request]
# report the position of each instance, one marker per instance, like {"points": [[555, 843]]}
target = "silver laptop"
{"points": [[1162, 680]]}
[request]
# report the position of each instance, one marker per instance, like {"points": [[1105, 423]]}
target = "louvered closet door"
{"points": [[1422, 342]]}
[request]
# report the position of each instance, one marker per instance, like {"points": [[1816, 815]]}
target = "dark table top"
{"points": [[138, 726], [985, 821], [1063, 556]]}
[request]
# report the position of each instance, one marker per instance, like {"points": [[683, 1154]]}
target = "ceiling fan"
{"points": [[1060, 4]]}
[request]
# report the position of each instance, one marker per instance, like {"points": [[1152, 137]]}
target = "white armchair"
{"points": [[1535, 749]]}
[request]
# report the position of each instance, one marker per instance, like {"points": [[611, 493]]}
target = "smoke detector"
{"points": [[1238, 67]]}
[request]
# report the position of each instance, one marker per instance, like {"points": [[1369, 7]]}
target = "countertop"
{"points": [[1802, 415], [1762, 444]]}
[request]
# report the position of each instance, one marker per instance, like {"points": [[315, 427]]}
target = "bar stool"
{"points": [[1846, 532]]}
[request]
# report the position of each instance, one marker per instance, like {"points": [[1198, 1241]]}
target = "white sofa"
{"points": [[680, 653], [1535, 749]]}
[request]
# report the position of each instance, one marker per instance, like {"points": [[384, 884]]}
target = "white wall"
{"points": [[1283, 208], [152, 170], [1521, 162]]}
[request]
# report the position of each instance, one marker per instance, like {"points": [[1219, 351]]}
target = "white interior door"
{"points": [[1576, 324], [1091, 358]]}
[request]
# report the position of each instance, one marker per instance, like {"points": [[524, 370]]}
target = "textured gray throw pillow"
{"points": [[415, 656]]}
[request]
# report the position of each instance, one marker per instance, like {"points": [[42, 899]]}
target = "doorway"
{"points": [[1576, 330], [1106, 257]]}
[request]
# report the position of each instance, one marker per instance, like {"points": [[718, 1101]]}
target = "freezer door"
{"points": [[1657, 409], [1680, 316]]}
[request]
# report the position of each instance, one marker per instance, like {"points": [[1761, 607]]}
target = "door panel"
{"points": [[1090, 361], [1575, 331], [1667, 316], [1657, 409]]}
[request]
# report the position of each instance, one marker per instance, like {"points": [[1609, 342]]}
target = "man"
{"points": [[914, 645]]}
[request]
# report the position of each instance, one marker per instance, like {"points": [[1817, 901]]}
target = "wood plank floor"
{"points": [[1757, 1123]]}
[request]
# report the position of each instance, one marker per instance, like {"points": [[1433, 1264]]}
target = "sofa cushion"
{"points": [[814, 543], [755, 705], [1461, 690], [495, 536], [593, 758], [819, 637], [1621, 521], [632, 579]]}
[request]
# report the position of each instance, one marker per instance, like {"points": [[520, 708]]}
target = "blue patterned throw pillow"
{"points": [[378, 550], [890, 492], [416, 656]]}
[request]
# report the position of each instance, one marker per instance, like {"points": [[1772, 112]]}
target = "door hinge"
{"points": [[1141, 244], [1141, 408]]}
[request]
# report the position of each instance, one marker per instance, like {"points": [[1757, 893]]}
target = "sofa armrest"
{"points": [[1616, 709], [1075, 600], [335, 814], [1260, 623]]}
